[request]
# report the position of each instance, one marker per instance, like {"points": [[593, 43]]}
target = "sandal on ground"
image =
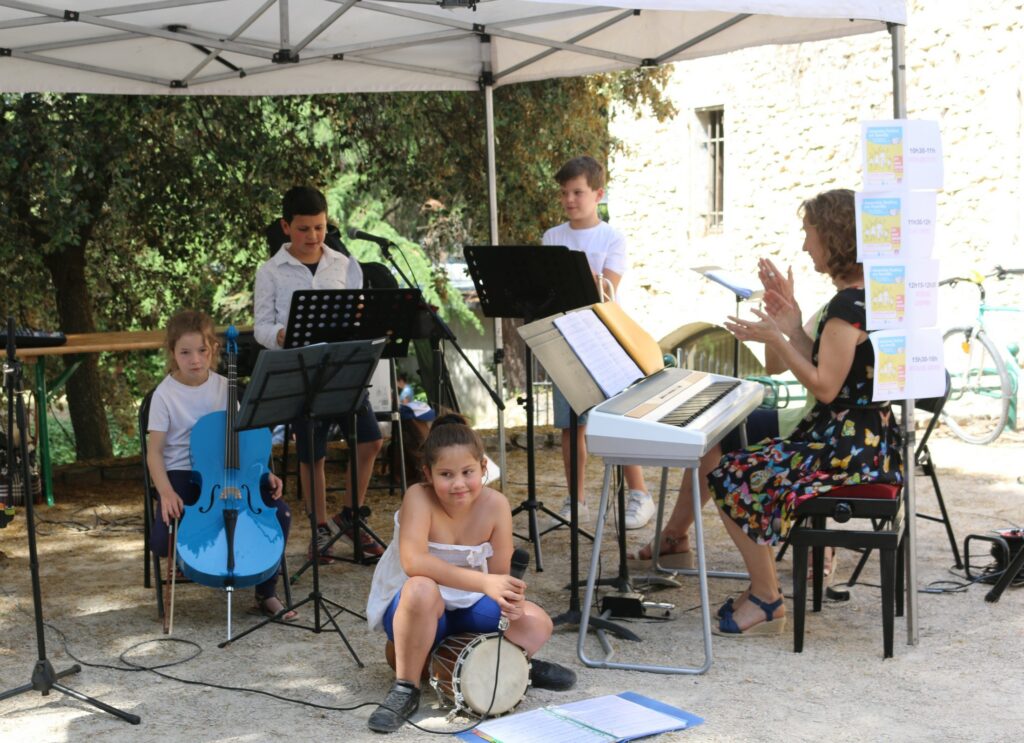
{"points": [[265, 607], [670, 557], [729, 607], [727, 626]]}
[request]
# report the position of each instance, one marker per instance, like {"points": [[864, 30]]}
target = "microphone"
{"points": [[520, 561], [357, 234]]}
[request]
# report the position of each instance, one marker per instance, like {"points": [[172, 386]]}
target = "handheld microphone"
{"points": [[520, 561], [357, 234]]}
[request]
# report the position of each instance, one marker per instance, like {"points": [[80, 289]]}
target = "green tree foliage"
{"points": [[116, 211]]}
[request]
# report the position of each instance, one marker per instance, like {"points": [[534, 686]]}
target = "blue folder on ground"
{"points": [[606, 719]]}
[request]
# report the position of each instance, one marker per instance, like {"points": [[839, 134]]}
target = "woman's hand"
{"points": [[507, 592], [763, 331], [779, 299], [171, 507]]}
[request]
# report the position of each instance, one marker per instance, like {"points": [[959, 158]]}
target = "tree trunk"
{"points": [[85, 401]]}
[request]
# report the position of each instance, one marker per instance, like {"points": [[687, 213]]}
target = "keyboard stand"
{"points": [[595, 562], [666, 577]]}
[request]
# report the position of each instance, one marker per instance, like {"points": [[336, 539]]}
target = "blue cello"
{"points": [[229, 538]]}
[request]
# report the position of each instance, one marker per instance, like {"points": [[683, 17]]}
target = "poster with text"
{"points": [[908, 365], [904, 153], [901, 295], [895, 224]]}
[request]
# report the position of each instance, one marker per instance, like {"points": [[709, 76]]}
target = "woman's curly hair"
{"points": [[832, 214]]}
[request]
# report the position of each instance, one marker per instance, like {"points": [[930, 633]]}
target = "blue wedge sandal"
{"points": [[727, 626]]}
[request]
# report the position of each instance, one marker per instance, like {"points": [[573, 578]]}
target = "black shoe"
{"points": [[401, 703], [547, 675]]}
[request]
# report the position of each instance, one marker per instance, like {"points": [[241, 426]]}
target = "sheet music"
{"points": [[620, 717], [602, 355], [539, 724]]}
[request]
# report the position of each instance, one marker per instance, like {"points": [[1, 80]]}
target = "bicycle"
{"points": [[983, 395]]}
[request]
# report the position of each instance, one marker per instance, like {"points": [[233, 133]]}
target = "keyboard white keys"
{"points": [[672, 417]]}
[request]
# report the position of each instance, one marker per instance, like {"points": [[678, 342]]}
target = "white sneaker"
{"points": [[583, 512], [639, 509]]}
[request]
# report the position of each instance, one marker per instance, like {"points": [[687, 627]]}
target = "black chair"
{"points": [[151, 560], [883, 506]]}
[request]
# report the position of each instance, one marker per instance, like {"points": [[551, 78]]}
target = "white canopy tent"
{"points": [[288, 47]]}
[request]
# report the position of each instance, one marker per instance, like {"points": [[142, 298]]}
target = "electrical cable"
{"points": [[130, 666]]}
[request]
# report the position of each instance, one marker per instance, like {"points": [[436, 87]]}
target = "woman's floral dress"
{"points": [[847, 442]]}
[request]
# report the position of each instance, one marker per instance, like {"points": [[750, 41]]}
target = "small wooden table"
{"points": [[78, 345]]}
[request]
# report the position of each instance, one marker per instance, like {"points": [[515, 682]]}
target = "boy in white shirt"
{"points": [[581, 183], [307, 263]]}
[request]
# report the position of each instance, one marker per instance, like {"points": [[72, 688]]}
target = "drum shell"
{"points": [[462, 672]]}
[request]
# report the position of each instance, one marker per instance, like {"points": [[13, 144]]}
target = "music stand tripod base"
{"points": [[324, 381], [44, 678]]}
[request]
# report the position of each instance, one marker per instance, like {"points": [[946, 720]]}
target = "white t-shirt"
{"points": [[176, 407], [604, 245]]}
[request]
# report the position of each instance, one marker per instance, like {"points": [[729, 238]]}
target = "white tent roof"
{"points": [[235, 46]]}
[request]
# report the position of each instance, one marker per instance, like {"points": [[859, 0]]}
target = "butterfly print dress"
{"points": [[849, 441]]}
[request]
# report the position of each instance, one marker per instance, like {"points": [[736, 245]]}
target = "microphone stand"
{"points": [[44, 677], [445, 332]]}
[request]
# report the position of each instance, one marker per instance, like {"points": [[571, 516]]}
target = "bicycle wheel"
{"points": [[979, 396]]}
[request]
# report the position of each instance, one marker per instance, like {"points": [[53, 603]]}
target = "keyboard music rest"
{"points": [[671, 418]]}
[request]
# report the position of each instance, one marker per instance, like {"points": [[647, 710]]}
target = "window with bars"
{"points": [[713, 122]]}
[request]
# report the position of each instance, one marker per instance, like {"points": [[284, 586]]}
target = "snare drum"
{"points": [[462, 673]]}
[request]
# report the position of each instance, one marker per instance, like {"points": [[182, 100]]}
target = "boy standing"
{"points": [[307, 263], [581, 183]]}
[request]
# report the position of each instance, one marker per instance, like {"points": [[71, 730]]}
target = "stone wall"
{"points": [[792, 118]]}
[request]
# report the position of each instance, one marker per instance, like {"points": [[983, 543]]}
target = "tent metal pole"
{"points": [[492, 205], [899, 110]]}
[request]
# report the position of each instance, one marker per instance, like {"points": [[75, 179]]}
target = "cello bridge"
{"points": [[230, 491]]}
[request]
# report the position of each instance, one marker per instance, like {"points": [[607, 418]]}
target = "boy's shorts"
{"points": [[562, 408], [367, 429], [479, 618], [762, 424]]}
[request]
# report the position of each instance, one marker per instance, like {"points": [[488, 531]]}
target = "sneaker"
{"points": [[341, 522], [371, 548], [582, 512], [639, 509], [399, 705], [323, 545], [552, 676]]}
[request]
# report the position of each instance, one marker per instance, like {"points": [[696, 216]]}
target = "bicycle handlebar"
{"points": [[999, 273]]}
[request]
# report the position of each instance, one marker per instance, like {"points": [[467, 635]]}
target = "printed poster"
{"points": [[895, 224], [901, 295], [908, 364], [902, 153]]}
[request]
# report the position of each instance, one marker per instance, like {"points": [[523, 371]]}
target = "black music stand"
{"points": [[530, 282], [333, 315], [323, 381], [44, 678]]}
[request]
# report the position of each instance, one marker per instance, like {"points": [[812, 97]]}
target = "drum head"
{"points": [[476, 675]]}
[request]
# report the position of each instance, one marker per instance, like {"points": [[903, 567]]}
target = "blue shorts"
{"points": [[762, 424], [562, 408], [479, 618], [367, 429]]}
